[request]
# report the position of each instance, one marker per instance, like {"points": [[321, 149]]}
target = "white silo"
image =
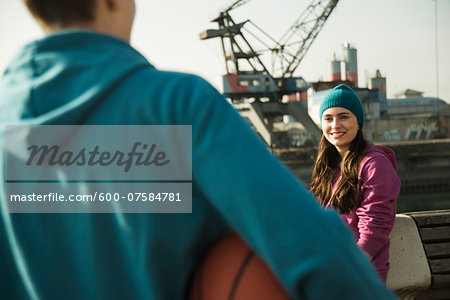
{"points": [[334, 73], [351, 63]]}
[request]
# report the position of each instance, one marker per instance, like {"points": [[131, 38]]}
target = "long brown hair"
{"points": [[328, 163]]}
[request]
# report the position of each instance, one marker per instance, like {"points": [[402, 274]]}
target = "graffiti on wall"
{"points": [[414, 131]]}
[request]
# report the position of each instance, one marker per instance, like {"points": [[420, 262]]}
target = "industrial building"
{"points": [[409, 116], [262, 84], [409, 102]]}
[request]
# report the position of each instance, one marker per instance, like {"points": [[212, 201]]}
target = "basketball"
{"points": [[232, 271]]}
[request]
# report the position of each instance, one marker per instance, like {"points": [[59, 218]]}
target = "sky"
{"points": [[398, 37]]}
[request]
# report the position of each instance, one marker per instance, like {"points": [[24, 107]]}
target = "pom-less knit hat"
{"points": [[343, 96]]}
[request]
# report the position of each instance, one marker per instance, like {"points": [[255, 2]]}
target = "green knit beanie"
{"points": [[343, 96]]}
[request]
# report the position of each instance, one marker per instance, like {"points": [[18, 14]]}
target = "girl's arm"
{"points": [[379, 189]]}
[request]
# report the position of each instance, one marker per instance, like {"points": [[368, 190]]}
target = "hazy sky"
{"points": [[395, 36]]}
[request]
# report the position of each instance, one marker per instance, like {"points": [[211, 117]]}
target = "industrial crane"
{"points": [[248, 77]]}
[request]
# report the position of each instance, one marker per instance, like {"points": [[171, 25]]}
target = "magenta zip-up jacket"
{"points": [[372, 220]]}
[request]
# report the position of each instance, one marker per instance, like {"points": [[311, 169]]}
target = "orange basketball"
{"points": [[231, 270]]}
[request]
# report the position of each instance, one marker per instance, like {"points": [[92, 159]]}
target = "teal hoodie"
{"points": [[93, 79]]}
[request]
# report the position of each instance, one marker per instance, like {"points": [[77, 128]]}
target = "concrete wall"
{"points": [[406, 128]]}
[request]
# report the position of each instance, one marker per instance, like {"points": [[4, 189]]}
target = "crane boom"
{"points": [[307, 26], [235, 4]]}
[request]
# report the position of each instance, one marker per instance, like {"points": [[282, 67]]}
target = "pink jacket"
{"points": [[372, 220]]}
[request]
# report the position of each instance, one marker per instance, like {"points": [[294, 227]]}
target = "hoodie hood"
{"points": [[373, 150], [54, 75]]}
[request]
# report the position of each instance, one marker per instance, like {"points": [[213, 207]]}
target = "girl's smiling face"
{"points": [[339, 126]]}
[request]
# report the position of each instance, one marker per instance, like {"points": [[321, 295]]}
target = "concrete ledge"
{"points": [[409, 272]]}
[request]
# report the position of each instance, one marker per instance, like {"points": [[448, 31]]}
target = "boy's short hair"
{"points": [[62, 12]]}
